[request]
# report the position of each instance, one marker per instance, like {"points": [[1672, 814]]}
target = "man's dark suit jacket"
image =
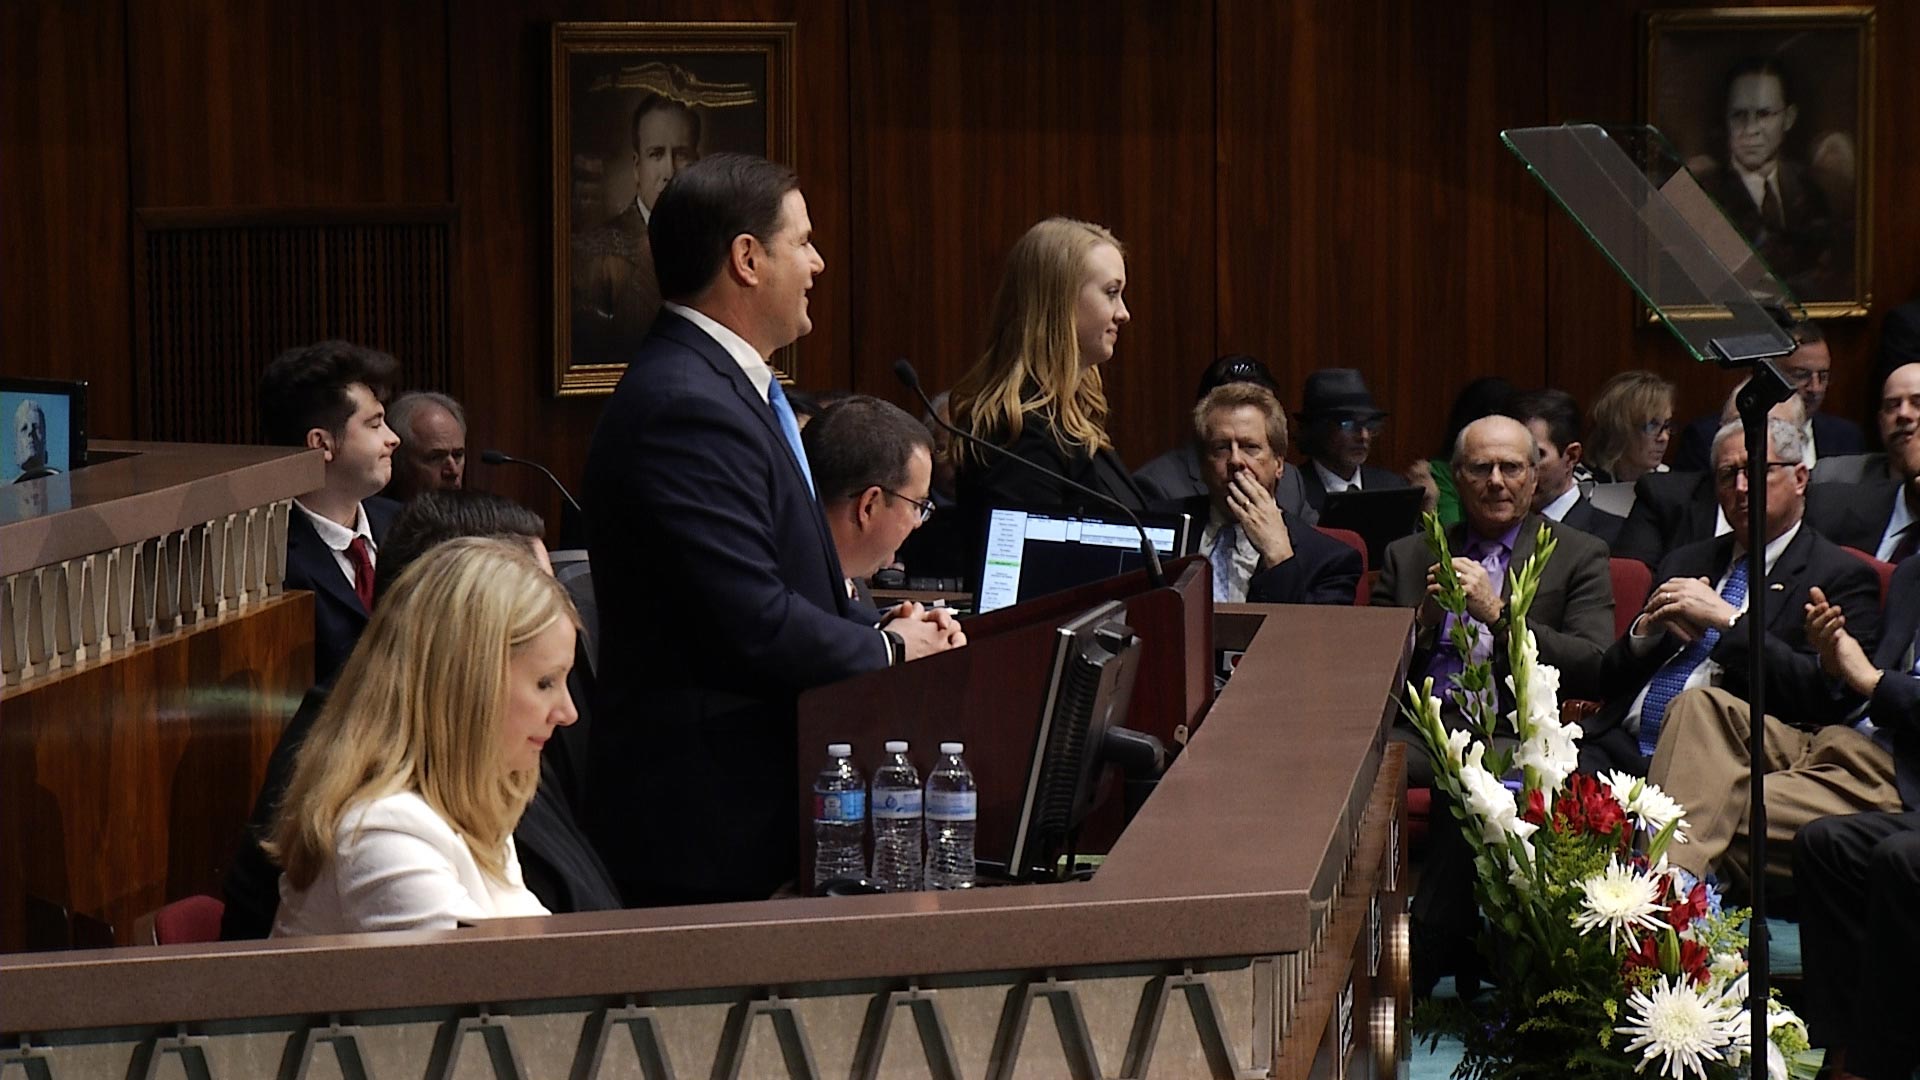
{"points": [[1595, 522], [1797, 692], [1572, 614], [721, 598], [1176, 475], [1372, 478], [338, 615], [1833, 436], [556, 861], [1322, 571], [1852, 515], [1670, 510], [1895, 705]]}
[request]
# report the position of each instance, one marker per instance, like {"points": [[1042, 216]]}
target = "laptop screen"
{"points": [[1028, 553]]}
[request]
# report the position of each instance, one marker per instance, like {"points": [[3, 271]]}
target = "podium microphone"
{"points": [[495, 457], [909, 378]]}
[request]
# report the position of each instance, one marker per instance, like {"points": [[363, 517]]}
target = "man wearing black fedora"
{"points": [[1338, 421]]}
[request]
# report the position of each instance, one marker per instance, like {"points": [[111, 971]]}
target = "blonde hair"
{"points": [[1032, 363], [1627, 401], [1236, 395], [418, 706]]}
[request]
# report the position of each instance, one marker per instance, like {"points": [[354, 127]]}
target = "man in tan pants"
{"points": [[1702, 761]]}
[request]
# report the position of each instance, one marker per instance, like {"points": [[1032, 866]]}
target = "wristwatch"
{"points": [[896, 648]]}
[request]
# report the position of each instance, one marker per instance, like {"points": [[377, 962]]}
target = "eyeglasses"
{"points": [[1351, 424], [1653, 429], [1731, 474], [1482, 471], [1800, 376], [925, 506]]}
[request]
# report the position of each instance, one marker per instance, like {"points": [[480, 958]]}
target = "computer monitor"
{"points": [[1029, 551], [46, 427], [1380, 517], [1094, 662]]}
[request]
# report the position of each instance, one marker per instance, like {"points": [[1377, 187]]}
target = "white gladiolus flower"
{"points": [[1678, 1026], [1457, 741], [1489, 801], [1622, 900], [1553, 752]]}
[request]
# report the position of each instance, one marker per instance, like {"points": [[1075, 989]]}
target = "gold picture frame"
{"points": [[1800, 83], [685, 90]]}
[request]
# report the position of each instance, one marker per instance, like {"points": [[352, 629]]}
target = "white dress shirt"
{"points": [[1708, 673], [1758, 183], [1557, 509], [749, 358], [338, 539], [398, 865], [1334, 483]]}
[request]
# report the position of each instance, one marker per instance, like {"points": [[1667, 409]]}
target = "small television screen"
{"points": [[1029, 552], [1095, 658], [46, 428]]}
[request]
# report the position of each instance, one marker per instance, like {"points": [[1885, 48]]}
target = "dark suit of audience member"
{"points": [[1855, 515], [1372, 478], [557, 862], [338, 613], [1322, 571], [1858, 879], [1670, 510], [1593, 521], [1851, 469]]}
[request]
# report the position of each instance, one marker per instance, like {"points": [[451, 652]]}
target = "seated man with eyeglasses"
{"points": [[873, 469], [1338, 422], [1495, 472], [1810, 369], [1690, 637], [1881, 515]]}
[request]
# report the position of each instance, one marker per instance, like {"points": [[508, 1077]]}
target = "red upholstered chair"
{"points": [[1884, 569], [193, 920], [1363, 589]]}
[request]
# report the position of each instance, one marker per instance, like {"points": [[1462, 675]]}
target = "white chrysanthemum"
{"points": [[1779, 1019], [1643, 801], [1553, 753], [1621, 899], [1679, 1026], [1489, 802]]}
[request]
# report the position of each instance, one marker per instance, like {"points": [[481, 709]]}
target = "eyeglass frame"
{"points": [[1482, 471], [1728, 475], [1653, 429], [926, 506]]}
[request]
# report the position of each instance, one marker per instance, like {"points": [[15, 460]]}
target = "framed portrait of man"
{"points": [[634, 103], [1772, 111]]}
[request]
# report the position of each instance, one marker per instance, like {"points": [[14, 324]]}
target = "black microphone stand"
{"points": [[573, 520], [1765, 388], [1156, 576]]}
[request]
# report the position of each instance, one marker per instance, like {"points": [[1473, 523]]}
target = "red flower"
{"points": [[1587, 806], [1694, 959], [1644, 954], [1692, 907], [1536, 811]]}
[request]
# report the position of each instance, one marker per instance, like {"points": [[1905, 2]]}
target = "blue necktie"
{"points": [[790, 427], [1222, 559], [1671, 679]]}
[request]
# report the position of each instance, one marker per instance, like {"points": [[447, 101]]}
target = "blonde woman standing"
{"points": [[401, 810], [1037, 391]]}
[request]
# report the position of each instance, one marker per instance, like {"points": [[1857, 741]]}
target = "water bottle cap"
{"points": [[896, 746], [953, 748], [839, 749]]}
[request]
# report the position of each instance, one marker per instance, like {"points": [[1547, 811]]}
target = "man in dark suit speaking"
{"points": [[720, 595]]}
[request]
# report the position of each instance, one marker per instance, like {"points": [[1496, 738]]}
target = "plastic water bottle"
{"points": [[952, 807], [896, 821], [839, 818]]}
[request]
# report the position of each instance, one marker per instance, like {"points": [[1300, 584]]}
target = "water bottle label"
{"points": [[840, 806], [897, 804], [953, 805]]}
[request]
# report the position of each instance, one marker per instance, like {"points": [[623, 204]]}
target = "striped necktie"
{"points": [[1671, 679]]}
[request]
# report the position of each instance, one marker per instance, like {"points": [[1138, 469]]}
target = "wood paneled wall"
{"points": [[1315, 182]]}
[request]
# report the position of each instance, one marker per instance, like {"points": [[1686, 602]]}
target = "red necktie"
{"points": [[361, 556]]}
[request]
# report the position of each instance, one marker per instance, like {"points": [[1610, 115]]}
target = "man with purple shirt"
{"points": [[1494, 466], [1572, 617]]}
